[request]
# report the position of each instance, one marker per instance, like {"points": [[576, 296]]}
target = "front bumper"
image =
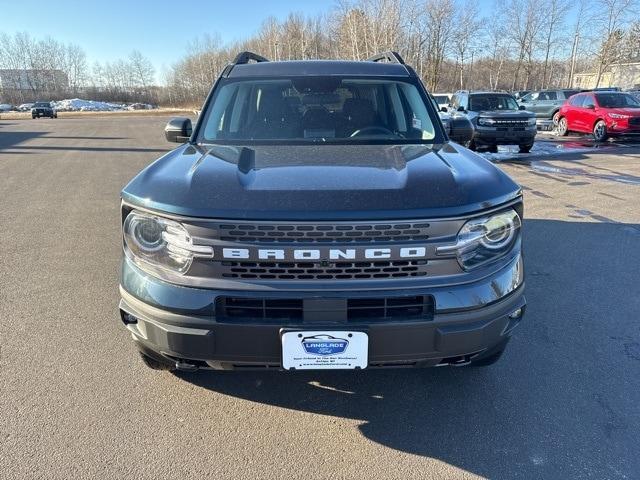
{"points": [[492, 136], [178, 324]]}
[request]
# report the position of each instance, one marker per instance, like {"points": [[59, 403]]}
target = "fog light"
{"points": [[516, 314], [127, 318]]}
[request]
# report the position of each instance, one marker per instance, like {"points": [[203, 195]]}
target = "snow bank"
{"points": [[80, 105]]}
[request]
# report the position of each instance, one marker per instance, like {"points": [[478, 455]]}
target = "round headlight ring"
{"points": [[147, 233], [499, 231]]}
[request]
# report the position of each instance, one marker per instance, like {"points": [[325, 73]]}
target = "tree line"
{"points": [[26, 66], [452, 44], [522, 44]]}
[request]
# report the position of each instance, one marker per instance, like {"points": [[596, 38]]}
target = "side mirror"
{"points": [[461, 130], [178, 130], [590, 107], [444, 109], [521, 107], [461, 109]]}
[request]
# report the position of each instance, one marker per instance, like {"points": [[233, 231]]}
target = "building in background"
{"points": [[624, 75]]}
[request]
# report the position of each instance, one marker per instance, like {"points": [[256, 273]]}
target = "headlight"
{"points": [[531, 121], [486, 121], [484, 239], [618, 115], [153, 243]]}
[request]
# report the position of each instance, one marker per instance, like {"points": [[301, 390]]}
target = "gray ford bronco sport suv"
{"points": [[318, 217], [497, 120]]}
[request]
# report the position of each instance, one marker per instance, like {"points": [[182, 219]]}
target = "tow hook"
{"points": [[461, 362], [186, 367]]}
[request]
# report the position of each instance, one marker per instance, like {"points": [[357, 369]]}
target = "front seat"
{"points": [[318, 122], [274, 119], [357, 113]]}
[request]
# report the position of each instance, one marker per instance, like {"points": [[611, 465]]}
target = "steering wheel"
{"points": [[372, 130]]}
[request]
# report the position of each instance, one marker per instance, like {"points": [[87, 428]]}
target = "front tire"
{"points": [[526, 148], [600, 131], [563, 127]]}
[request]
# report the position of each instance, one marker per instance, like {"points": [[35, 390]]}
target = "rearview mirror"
{"points": [[178, 130], [461, 109], [521, 107]]}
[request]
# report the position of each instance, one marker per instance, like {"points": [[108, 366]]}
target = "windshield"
{"points": [[441, 98], [478, 103], [42, 104], [318, 109], [617, 100]]}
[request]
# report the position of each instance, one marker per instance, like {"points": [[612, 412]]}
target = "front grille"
{"points": [[288, 310], [323, 271], [323, 233], [511, 123], [415, 307], [231, 309]]}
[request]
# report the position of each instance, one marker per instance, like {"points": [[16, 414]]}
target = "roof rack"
{"points": [[390, 56], [245, 57]]}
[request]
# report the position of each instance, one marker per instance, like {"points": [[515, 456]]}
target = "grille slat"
{"points": [[306, 270], [291, 310], [323, 233]]}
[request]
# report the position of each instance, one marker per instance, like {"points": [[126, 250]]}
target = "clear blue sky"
{"points": [[160, 29]]}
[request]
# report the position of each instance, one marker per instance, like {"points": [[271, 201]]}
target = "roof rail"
{"points": [[245, 57], [390, 56]]}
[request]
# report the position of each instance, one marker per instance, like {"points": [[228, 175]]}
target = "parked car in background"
{"points": [[25, 107], [497, 120], [606, 89], [521, 93], [443, 99], [546, 103], [43, 109], [602, 113], [458, 127], [5, 107]]}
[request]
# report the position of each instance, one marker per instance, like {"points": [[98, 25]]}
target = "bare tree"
{"points": [[556, 11], [468, 24], [613, 16], [526, 25]]}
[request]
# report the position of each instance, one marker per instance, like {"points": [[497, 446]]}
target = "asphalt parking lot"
{"points": [[77, 403]]}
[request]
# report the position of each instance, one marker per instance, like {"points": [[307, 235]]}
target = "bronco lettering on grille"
{"points": [[318, 253]]}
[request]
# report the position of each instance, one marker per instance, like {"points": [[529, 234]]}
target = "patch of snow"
{"points": [[140, 106], [79, 105], [540, 148]]}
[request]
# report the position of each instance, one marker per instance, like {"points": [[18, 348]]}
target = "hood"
{"points": [[324, 182], [634, 112]]}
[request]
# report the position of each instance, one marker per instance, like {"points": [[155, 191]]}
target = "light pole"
{"points": [[573, 60]]}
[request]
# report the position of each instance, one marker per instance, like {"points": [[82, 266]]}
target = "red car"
{"points": [[603, 114]]}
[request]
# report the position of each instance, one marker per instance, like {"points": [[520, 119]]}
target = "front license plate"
{"points": [[324, 350]]}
